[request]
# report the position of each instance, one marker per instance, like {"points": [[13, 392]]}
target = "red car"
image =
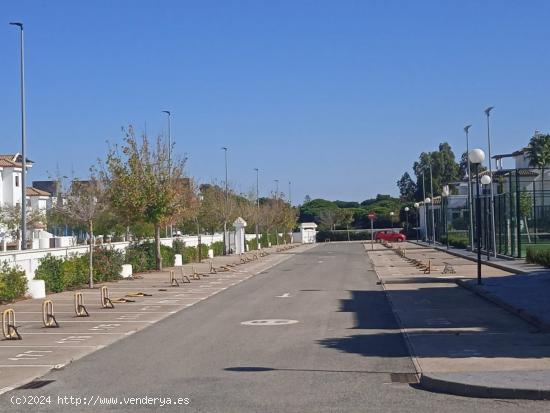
{"points": [[389, 236]]}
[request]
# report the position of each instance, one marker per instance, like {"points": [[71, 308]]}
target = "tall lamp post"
{"points": [[486, 180], [391, 219], [493, 228], [257, 208], [445, 210], [169, 115], [427, 203], [23, 141], [470, 193], [416, 205], [199, 252], [407, 209], [224, 148], [476, 157], [433, 214]]}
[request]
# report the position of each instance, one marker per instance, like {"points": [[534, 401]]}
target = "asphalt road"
{"points": [[337, 355]]}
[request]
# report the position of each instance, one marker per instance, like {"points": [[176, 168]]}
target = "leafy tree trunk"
{"points": [[158, 256], [542, 189], [91, 259]]}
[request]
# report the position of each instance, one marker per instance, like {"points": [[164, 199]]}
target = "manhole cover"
{"points": [[268, 322]]}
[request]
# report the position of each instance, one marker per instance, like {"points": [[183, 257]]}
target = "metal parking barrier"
{"points": [[173, 281], [105, 300], [138, 294], [79, 307], [122, 300], [449, 269], [47, 315], [184, 278], [212, 268], [9, 330]]}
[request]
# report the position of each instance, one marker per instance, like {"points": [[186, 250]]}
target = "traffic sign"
{"points": [[372, 215]]}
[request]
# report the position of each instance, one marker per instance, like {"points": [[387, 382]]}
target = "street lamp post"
{"points": [[425, 207], [224, 148], [433, 212], [476, 157], [407, 221], [23, 141], [445, 210], [169, 115], [199, 241], [493, 229], [486, 180], [391, 220], [257, 208], [416, 205], [427, 202], [470, 194]]}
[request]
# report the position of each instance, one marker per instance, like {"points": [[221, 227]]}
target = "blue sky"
{"points": [[339, 97]]}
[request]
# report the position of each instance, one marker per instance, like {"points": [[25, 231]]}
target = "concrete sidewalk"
{"points": [[43, 349], [461, 343]]}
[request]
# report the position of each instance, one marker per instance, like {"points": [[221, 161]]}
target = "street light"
{"points": [[427, 202], [494, 237], [416, 205], [476, 157], [444, 208], [432, 193], [407, 209], [257, 208], [169, 155], [23, 141], [486, 180], [276, 188], [199, 251], [391, 219], [470, 194], [224, 148]]}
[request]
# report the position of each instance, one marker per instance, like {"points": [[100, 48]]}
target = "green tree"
{"points": [[145, 183], [84, 201], [407, 187]]}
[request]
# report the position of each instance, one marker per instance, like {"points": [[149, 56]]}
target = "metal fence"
{"points": [[522, 215]]}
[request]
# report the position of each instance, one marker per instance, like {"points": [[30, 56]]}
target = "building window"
{"points": [[17, 181]]}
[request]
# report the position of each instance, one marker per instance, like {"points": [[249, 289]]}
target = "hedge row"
{"points": [[61, 274], [13, 282], [537, 255], [457, 239]]}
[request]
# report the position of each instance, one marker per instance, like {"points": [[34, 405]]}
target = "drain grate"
{"points": [[408, 378], [35, 384]]}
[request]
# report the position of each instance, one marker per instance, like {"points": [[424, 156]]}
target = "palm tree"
{"points": [[539, 155]]}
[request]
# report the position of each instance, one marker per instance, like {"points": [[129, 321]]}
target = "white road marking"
{"points": [[285, 295], [269, 322]]}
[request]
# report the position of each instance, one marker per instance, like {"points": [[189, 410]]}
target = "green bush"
{"points": [[167, 254], [142, 256], [217, 247], [538, 255], [50, 270], [107, 264], [456, 239], [13, 282], [75, 271], [252, 245]]}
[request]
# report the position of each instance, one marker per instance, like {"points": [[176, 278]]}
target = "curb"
{"points": [[473, 259], [524, 315], [440, 385]]}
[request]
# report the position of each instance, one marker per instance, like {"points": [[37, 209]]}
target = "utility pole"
{"points": [[225, 208], [23, 142]]}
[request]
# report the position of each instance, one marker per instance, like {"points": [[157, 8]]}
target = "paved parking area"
{"points": [[42, 349]]}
